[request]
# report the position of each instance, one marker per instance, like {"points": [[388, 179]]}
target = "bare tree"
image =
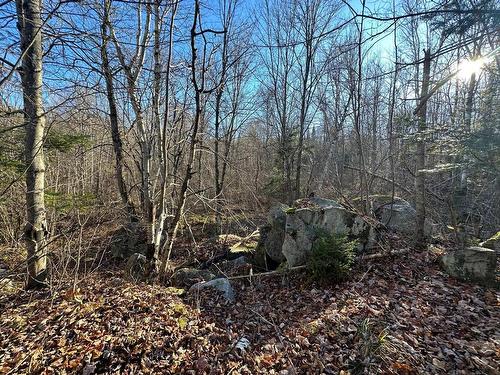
{"points": [[132, 70], [164, 142], [364, 184], [199, 68], [113, 112], [230, 77], [314, 17]]}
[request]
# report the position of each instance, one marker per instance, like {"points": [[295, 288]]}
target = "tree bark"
{"points": [[29, 25], [420, 157], [364, 185], [218, 101], [304, 106], [132, 71], [200, 90], [113, 114], [155, 259]]}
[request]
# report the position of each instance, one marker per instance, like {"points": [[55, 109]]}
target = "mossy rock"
{"points": [[259, 259], [315, 203], [262, 261], [475, 264], [273, 234]]}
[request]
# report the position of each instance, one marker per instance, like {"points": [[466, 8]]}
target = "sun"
{"points": [[469, 67]]}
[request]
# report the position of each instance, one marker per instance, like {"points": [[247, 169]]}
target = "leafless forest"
{"points": [[249, 186]]}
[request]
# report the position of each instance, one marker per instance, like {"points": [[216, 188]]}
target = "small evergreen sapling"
{"points": [[332, 257]]}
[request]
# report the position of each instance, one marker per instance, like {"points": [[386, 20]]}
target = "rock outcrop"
{"points": [[291, 231], [400, 216], [272, 234], [477, 264]]}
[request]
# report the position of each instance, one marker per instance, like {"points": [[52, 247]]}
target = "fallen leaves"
{"points": [[405, 317]]}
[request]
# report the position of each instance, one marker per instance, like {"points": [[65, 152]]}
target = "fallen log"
{"points": [[383, 255]]}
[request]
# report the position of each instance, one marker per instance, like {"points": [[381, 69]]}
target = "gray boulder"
{"points": [[129, 240], [231, 264], [291, 231], [273, 233], [477, 264], [314, 216], [221, 284], [186, 277], [400, 216]]}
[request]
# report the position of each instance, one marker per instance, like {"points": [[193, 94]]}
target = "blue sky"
{"points": [[58, 75]]}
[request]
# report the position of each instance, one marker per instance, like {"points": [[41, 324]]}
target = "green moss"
{"points": [[473, 241], [283, 267], [175, 291]]}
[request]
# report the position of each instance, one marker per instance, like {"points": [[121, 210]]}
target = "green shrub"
{"points": [[332, 257]]}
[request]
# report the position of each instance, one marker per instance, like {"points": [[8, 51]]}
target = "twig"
{"points": [[270, 273], [362, 277]]}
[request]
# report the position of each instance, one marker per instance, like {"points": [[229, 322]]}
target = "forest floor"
{"points": [[398, 315]]}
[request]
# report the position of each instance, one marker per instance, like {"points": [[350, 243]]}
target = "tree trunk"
{"points": [[461, 191], [132, 73], [29, 25], [155, 258], [217, 179], [364, 186], [113, 114], [302, 120], [199, 89], [420, 157]]}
